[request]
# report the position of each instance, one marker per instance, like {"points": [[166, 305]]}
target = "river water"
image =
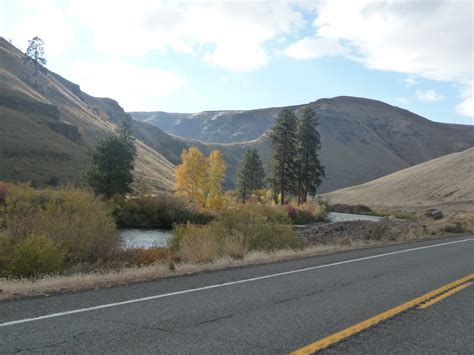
{"points": [[144, 238]]}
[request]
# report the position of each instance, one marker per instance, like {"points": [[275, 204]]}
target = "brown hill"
{"points": [[448, 180], [362, 139], [49, 125]]}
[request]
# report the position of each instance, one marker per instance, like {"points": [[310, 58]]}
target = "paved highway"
{"points": [[274, 308]]}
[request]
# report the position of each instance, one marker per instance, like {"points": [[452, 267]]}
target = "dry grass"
{"points": [[79, 282], [442, 181], [53, 284]]}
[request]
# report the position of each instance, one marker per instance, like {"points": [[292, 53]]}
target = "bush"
{"points": [[3, 192], [310, 212], [353, 209], [237, 231], [78, 224], [160, 211], [35, 256], [142, 257]]}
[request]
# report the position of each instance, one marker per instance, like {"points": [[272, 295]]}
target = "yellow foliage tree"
{"points": [[217, 170], [192, 176]]}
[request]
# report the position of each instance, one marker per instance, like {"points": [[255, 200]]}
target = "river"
{"points": [[144, 238]]}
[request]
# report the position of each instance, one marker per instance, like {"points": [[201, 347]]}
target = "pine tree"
{"points": [[192, 176], [284, 145], [111, 169], [310, 170], [217, 170], [250, 176], [35, 54]]}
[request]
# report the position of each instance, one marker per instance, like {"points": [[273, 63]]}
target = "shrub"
{"points": [[6, 254], [354, 209], [3, 192], [78, 224], [160, 211], [310, 212], [237, 231], [141, 257], [36, 255]]}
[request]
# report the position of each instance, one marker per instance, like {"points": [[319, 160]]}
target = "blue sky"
{"points": [[190, 56]]}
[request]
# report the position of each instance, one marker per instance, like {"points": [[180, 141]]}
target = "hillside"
{"points": [[445, 180], [362, 139], [49, 126]]}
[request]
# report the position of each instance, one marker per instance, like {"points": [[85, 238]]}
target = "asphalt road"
{"points": [[257, 309]]}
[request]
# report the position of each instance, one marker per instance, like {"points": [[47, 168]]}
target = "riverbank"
{"points": [[49, 285]]}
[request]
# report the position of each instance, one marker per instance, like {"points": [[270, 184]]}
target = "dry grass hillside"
{"points": [[446, 181], [362, 139], [49, 127]]}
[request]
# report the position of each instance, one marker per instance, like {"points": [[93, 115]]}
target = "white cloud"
{"points": [[432, 39], [45, 20], [135, 88], [466, 106], [410, 81], [311, 48], [428, 96], [401, 100], [228, 34], [428, 39]]}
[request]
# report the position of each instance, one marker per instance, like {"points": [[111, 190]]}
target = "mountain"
{"points": [[445, 180], [49, 126], [362, 139]]}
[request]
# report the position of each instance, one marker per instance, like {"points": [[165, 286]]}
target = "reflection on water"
{"points": [[144, 238]]}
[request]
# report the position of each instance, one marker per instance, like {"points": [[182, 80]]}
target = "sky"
{"points": [[192, 56]]}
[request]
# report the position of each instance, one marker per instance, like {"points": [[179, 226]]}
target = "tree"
{"points": [[217, 170], [192, 176], [309, 168], [111, 169], [284, 144], [35, 54], [250, 176]]}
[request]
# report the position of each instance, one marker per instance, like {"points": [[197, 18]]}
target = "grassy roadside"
{"points": [[48, 285]]}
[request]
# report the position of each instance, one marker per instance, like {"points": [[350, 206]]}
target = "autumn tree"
{"points": [[250, 176], [283, 142], [309, 169], [35, 54], [217, 170], [192, 176], [111, 168]]}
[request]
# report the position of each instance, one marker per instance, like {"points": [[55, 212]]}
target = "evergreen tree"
{"points": [[111, 169], [284, 145], [250, 176], [35, 54], [310, 170]]}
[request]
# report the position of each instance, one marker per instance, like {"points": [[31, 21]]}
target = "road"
{"points": [[273, 308]]}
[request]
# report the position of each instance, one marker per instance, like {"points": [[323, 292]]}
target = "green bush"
{"points": [[160, 211], [237, 231], [35, 256], [80, 225]]}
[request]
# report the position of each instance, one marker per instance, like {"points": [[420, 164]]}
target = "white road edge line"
{"points": [[88, 309]]}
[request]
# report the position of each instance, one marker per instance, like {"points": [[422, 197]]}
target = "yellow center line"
{"points": [[444, 295], [336, 337]]}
